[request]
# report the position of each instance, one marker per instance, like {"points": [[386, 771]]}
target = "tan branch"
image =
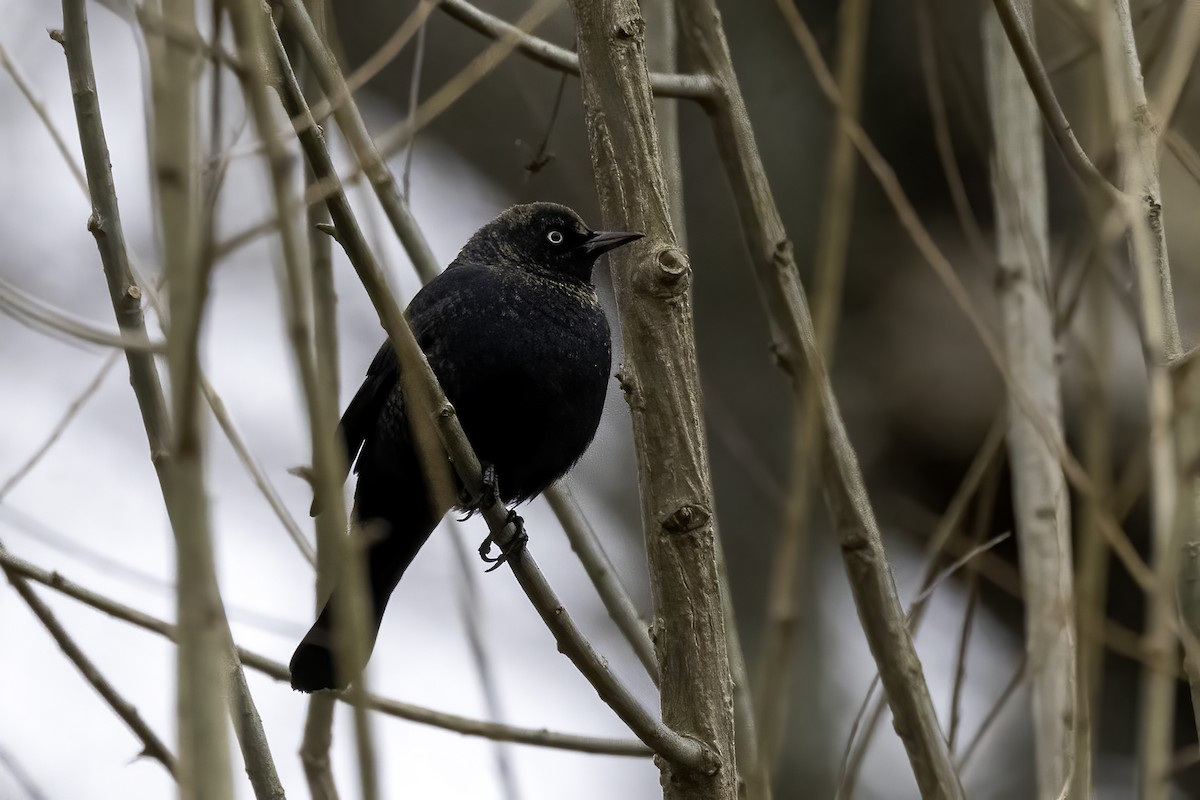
{"points": [[791, 562], [152, 746], [879, 608], [543, 52], [652, 281], [1040, 497], [538, 737]]}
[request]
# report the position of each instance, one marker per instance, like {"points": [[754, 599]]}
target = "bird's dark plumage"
{"points": [[516, 336]]}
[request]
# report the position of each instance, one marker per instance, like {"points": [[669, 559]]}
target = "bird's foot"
{"points": [[514, 548], [489, 494]]}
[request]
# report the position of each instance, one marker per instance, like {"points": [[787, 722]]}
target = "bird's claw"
{"points": [[489, 494], [514, 548]]}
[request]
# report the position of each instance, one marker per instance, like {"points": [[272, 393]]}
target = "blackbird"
{"points": [[514, 331]]}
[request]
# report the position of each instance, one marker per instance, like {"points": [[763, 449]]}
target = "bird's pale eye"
{"points": [[554, 237]]}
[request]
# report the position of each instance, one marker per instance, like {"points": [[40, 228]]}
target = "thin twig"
{"points": [[257, 39], [1172, 522], [412, 26], [663, 85], [1006, 694], [345, 111], [1040, 497], [22, 778], [39, 108], [1018, 32], [651, 280], [944, 270], [470, 610], [255, 470], [1181, 54], [1185, 152], [879, 607], [318, 723], [852, 761], [125, 295], [927, 49], [399, 135], [791, 562], [987, 460], [42, 316], [414, 97], [538, 737], [72, 410], [604, 577], [152, 746], [960, 660]]}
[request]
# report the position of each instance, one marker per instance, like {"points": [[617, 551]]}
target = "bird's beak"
{"points": [[603, 241]]}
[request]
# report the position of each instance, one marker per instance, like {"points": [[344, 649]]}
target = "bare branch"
{"points": [[603, 574], [325, 66], [1040, 496], [1172, 520], [539, 737], [1039, 82], [202, 685], [871, 581], [39, 108], [944, 270], [126, 295], [400, 135], [931, 77], [57, 431], [42, 316], [791, 560], [1185, 33], [543, 52], [257, 39], [153, 746], [987, 461], [220, 412]]}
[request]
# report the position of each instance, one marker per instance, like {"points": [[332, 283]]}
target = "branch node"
{"points": [[159, 458], [783, 358], [628, 384], [56, 34], [674, 268], [686, 518], [632, 27]]}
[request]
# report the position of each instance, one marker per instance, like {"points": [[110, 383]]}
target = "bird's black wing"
{"points": [[364, 409], [427, 314]]}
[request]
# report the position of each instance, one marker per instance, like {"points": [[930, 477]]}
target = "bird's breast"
{"points": [[527, 368]]}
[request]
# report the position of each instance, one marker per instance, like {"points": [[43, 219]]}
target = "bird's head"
{"points": [[545, 237]]}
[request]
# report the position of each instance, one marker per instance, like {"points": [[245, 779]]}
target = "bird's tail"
{"points": [[396, 543]]}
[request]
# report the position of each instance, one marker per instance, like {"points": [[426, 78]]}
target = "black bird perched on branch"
{"points": [[514, 332]]}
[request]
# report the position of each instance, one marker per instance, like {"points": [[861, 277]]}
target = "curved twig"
{"points": [[538, 737], [692, 87]]}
